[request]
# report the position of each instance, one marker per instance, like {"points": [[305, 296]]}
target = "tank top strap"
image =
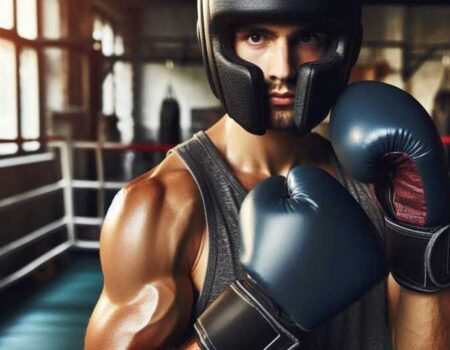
{"points": [[222, 195]]}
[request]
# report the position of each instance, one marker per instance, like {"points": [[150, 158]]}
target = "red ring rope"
{"points": [[138, 147]]}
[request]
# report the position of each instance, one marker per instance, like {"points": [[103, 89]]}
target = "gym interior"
{"points": [[94, 93]]}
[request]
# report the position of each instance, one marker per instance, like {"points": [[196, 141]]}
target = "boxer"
{"points": [[172, 245]]}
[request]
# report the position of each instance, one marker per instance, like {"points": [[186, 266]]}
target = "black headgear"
{"points": [[240, 85]]}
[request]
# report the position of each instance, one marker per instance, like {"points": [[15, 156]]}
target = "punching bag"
{"points": [[441, 108], [169, 130]]}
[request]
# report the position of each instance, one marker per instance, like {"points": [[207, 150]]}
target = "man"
{"points": [[169, 244]]}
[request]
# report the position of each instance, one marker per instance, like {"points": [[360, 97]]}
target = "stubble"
{"points": [[282, 118]]}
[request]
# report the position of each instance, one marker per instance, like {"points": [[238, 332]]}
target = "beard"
{"points": [[282, 118]]}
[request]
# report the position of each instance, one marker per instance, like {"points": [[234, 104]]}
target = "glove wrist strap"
{"points": [[419, 257], [238, 320]]}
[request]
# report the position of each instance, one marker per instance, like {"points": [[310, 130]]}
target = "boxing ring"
{"points": [[62, 308], [64, 150]]}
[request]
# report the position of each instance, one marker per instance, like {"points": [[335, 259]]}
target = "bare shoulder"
{"points": [[170, 181], [149, 242], [155, 224]]}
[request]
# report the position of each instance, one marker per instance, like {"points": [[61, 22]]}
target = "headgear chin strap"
{"points": [[240, 85]]}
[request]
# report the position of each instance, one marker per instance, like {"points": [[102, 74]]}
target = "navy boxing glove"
{"points": [[383, 136], [309, 250]]}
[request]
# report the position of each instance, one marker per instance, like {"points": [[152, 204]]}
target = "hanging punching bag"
{"points": [[169, 131], [441, 108]]}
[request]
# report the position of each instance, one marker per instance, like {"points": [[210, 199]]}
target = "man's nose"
{"points": [[281, 67]]}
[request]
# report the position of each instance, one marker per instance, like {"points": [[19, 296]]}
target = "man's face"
{"points": [[278, 50]]}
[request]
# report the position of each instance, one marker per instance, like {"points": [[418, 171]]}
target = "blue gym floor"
{"points": [[51, 315]]}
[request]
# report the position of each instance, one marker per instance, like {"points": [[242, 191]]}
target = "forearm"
{"points": [[422, 321]]}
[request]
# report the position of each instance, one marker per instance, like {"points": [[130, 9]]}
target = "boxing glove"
{"points": [[309, 250], [383, 136]]}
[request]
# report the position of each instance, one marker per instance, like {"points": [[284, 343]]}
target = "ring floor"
{"points": [[51, 315]]}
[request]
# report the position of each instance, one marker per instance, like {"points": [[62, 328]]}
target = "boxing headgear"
{"points": [[240, 85]]}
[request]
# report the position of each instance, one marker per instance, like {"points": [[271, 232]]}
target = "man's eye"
{"points": [[255, 38], [311, 39], [306, 38]]}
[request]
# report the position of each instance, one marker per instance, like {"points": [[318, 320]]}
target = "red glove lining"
{"points": [[409, 196]]}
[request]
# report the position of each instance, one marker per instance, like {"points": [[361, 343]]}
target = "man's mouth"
{"points": [[282, 99]]}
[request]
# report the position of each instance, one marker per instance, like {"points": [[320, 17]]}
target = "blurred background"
{"points": [[94, 93]]}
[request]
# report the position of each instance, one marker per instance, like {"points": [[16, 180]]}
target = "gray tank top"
{"points": [[363, 325]]}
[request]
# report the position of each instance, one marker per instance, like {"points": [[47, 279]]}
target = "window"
{"points": [[117, 88], [108, 95], [119, 49], [19, 73], [27, 18], [103, 32], [29, 97], [51, 26], [8, 96], [123, 76], [55, 78], [22, 74], [6, 14]]}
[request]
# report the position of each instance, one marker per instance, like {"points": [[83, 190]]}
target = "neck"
{"points": [[274, 153]]}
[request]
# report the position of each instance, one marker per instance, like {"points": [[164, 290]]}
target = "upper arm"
{"points": [[148, 244]]}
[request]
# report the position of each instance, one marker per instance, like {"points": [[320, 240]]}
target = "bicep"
{"points": [[148, 294]]}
